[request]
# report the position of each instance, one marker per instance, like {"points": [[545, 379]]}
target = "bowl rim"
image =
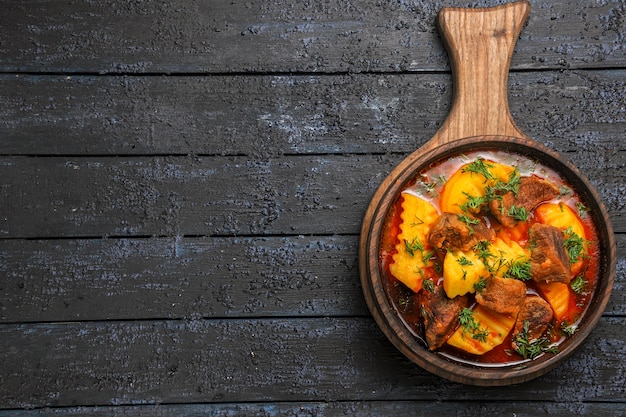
{"points": [[383, 310]]}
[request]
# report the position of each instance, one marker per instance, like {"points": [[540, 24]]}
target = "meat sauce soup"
{"points": [[415, 271]]}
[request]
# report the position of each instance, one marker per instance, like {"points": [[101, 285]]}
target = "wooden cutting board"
{"points": [[480, 45]]}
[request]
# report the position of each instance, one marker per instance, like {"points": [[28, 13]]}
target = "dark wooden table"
{"points": [[182, 185]]}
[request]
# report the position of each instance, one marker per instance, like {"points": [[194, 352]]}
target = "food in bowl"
{"points": [[489, 258]]}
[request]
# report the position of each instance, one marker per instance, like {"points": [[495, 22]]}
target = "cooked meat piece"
{"points": [[538, 313], [548, 260], [531, 192], [500, 209], [504, 295], [440, 314], [450, 232]]}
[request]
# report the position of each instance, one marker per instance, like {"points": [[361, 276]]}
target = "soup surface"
{"points": [[489, 258]]}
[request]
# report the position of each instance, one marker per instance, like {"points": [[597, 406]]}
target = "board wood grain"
{"points": [[176, 278], [271, 115], [187, 278], [213, 196], [426, 408], [201, 361], [272, 36], [182, 184]]}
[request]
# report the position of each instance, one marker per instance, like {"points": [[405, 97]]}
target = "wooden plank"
{"points": [[480, 44], [617, 302], [187, 196], [179, 278], [322, 359], [130, 279], [337, 409], [178, 196], [224, 36], [273, 115]]}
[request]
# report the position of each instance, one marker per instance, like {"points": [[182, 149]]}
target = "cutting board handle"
{"points": [[480, 44]]}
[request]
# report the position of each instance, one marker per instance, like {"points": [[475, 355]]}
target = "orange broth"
{"points": [[428, 185]]}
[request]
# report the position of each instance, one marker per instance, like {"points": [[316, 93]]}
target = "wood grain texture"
{"points": [[130, 279], [193, 278], [223, 36], [182, 185], [173, 196], [480, 45], [191, 361], [271, 115], [426, 408]]}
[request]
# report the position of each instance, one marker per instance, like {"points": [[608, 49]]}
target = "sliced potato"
{"points": [[564, 217], [464, 183], [461, 271], [492, 329], [557, 294], [560, 215], [505, 254], [412, 256]]}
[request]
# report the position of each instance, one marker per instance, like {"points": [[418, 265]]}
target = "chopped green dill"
{"points": [[427, 256], [513, 183], [428, 285], [466, 318], [469, 222], [482, 245], [564, 191], [519, 269], [502, 187], [463, 261], [482, 250], [582, 210], [574, 245], [417, 222], [479, 166], [419, 271], [468, 219], [413, 246], [531, 349], [403, 303], [568, 329], [578, 284], [416, 246], [481, 335], [471, 326], [498, 263], [473, 203], [480, 285], [430, 186], [518, 213]]}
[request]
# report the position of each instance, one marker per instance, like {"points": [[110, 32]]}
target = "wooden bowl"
{"points": [[479, 120], [385, 314]]}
